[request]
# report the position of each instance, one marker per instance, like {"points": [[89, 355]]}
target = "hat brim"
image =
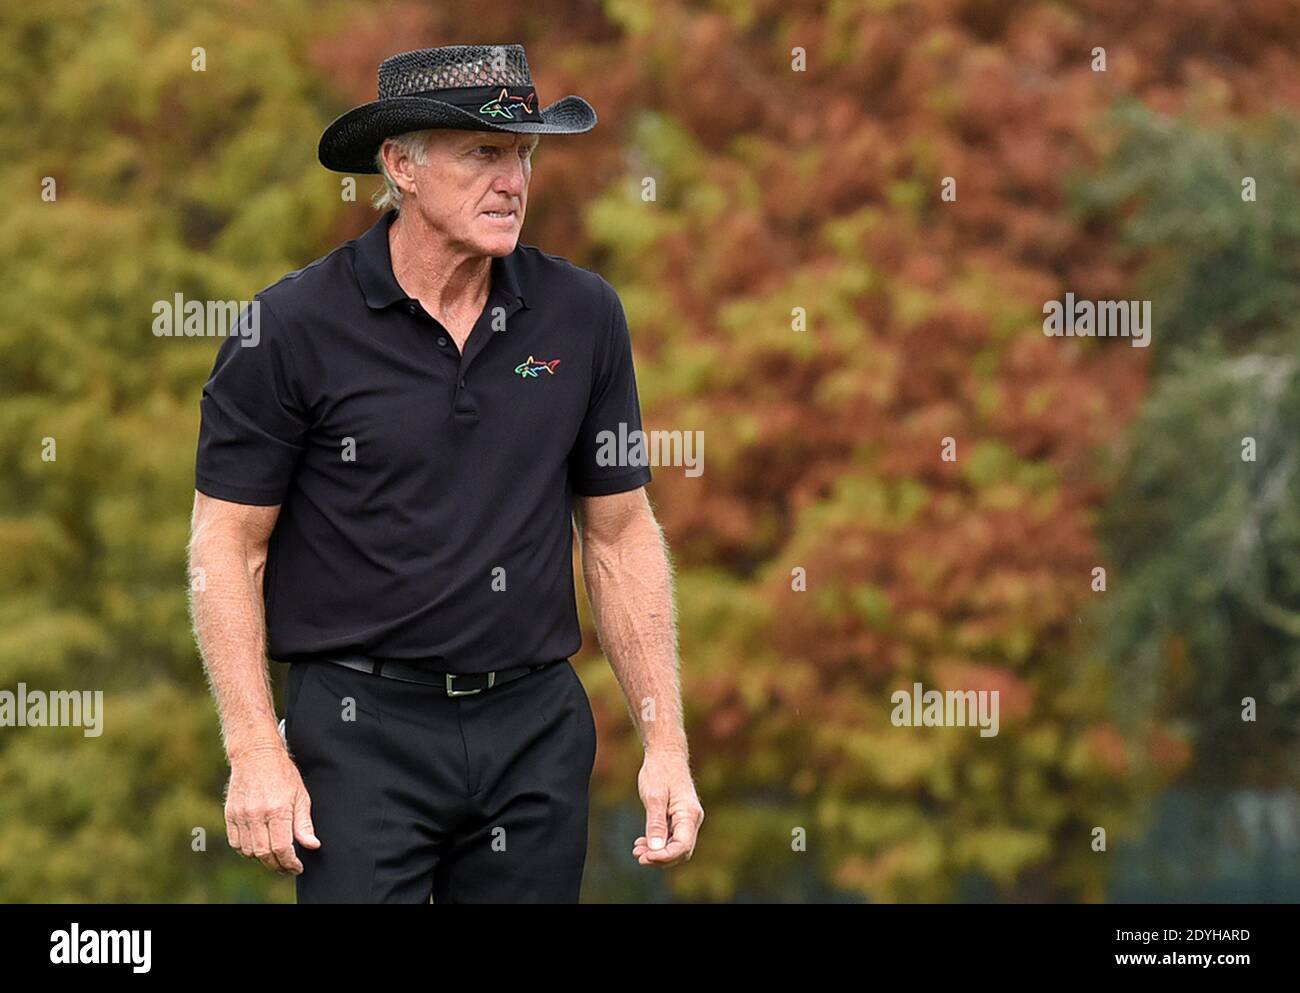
{"points": [[350, 142]]}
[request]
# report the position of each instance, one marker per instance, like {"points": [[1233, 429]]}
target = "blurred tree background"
{"points": [[775, 189]]}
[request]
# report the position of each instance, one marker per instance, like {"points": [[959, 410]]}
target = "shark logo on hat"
{"points": [[500, 107]]}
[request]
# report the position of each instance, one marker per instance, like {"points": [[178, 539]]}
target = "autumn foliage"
{"points": [[828, 555]]}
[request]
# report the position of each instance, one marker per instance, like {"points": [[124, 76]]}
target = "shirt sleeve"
{"points": [[606, 457], [252, 420]]}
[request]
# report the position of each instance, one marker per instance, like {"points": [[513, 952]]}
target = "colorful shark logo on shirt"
{"points": [[500, 107], [532, 367]]}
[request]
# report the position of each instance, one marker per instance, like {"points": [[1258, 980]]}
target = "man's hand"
{"points": [[672, 809], [267, 807]]}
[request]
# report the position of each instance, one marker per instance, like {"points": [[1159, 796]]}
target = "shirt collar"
{"points": [[374, 270]]}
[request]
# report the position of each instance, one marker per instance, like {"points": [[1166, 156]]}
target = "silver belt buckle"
{"points": [[491, 679]]}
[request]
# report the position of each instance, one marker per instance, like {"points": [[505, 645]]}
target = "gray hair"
{"points": [[413, 143], [416, 145]]}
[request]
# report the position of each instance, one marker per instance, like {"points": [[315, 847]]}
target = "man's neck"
{"points": [[446, 281]]}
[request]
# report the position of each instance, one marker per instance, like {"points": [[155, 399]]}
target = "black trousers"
{"points": [[470, 799]]}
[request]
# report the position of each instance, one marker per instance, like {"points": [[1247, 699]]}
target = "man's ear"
{"points": [[399, 165]]}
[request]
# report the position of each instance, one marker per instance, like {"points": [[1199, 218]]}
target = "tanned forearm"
{"points": [[628, 575], [227, 559]]}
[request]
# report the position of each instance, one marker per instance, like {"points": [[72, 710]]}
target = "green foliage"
{"points": [[1204, 608], [1218, 265], [168, 181]]}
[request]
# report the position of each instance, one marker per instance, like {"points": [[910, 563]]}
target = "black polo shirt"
{"points": [[425, 496]]}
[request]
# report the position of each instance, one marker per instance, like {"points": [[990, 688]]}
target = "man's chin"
{"points": [[499, 244]]}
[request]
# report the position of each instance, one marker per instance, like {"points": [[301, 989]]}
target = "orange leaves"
{"points": [[1015, 695], [1108, 749]]}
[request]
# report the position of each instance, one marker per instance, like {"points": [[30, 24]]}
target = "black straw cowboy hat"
{"points": [[462, 87]]}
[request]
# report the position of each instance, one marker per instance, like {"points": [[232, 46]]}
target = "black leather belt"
{"points": [[456, 684]]}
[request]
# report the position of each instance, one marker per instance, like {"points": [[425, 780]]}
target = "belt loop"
{"points": [[378, 670]]}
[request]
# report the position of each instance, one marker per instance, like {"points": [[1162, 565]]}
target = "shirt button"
{"points": [[442, 341], [412, 307]]}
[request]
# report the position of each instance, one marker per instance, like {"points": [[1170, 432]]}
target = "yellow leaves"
{"points": [[1038, 400], [911, 862], [922, 625], [841, 387], [907, 195], [885, 757], [37, 642], [988, 398], [712, 602], [1000, 298], [1004, 481], [826, 601], [912, 305], [988, 463], [1040, 744], [868, 824], [868, 504], [619, 217], [146, 779], [872, 604], [1099, 752], [846, 234], [633, 16], [36, 548], [1000, 852]]}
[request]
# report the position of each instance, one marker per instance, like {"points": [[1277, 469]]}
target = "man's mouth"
{"points": [[500, 214]]}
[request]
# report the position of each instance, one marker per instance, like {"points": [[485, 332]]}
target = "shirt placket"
{"points": [[462, 405]]}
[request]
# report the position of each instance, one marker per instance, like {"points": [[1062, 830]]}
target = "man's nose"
{"points": [[512, 178]]}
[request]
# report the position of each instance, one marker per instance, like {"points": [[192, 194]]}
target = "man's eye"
{"points": [[524, 150]]}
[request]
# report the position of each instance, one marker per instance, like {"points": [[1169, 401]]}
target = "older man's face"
{"points": [[475, 188]]}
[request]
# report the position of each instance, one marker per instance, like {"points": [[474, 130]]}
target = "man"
{"points": [[387, 486]]}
